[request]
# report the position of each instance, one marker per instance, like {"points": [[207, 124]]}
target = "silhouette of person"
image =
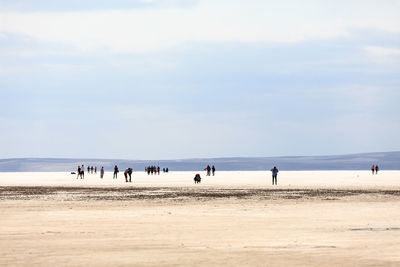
{"points": [[115, 172], [79, 172], [373, 169], [208, 168], [128, 172], [274, 175], [376, 169], [102, 172], [213, 170]]}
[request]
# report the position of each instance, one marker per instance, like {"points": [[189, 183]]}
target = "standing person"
{"points": [[376, 169], [274, 175], [83, 172], [91, 170], [213, 170], [158, 170], [95, 170], [373, 169], [102, 172], [88, 169], [115, 172], [208, 168], [79, 172]]}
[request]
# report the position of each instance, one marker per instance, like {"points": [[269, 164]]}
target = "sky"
{"points": [[172, 79]]}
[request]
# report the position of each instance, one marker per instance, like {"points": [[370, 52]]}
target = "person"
{"points": [[126, 173], [208, 168], [79, 172], [373, 169], [115, 172], [376, 169], [88, 169], [95, 169], [83, 171], [197, 179], [274, 175], [102, 172], [213, 170], [158, 170]]}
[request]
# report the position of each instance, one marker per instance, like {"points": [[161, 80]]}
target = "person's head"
{"points": [[274, 167]]}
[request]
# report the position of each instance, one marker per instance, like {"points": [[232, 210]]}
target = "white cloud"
{"points": [[157, 28], [382, 51]]}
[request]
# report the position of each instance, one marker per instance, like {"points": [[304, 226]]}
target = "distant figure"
{"points": [[208, 169], [91, 169], [274, 175], [82, 172], [126, 173], [213, 170], [376, 169], [79, 172], [148, 170], [158, 170], [102, 172], [88, 169], [166, 170], [116, 171], [373, 169], [95, 169], [197, 179]]}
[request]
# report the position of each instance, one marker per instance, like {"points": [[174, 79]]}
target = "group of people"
{"points": [[209, 170], [375, 169], [156, 170], [81, 171]]}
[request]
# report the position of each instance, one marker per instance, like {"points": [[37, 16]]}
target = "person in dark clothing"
{"points": [[102, 172], [128, 172], [376, 169], [79, 172], [158, 170], [274, 175], [208, 169], [373, 169], [91, 170], [166, 170], [88, 169], [115, 172], [213, 170], [197, 179]]}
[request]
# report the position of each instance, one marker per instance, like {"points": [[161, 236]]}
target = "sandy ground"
{"points": [[234, 218]]}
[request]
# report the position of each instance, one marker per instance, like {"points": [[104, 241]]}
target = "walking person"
{"points": [[373, 169], [102, 172], [376, 169], [115, 172], [274, 175], [213, 170]]}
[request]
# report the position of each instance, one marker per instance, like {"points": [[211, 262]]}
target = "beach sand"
{"points": [[320, 218]]}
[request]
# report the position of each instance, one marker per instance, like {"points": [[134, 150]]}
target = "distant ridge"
{"points": [[362, 161]]}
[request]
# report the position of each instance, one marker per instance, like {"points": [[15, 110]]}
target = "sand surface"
{"points": [[232, 219]]}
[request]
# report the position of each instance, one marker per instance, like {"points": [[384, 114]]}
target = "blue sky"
{"points": [[181, 79]]}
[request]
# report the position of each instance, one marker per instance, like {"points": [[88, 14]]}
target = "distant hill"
{"points": [[385, 160]]}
